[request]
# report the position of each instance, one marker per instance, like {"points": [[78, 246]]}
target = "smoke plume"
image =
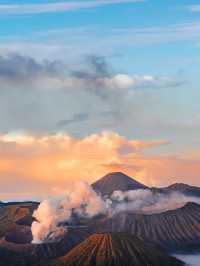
{"points": [[83, 201], [147, 202]]}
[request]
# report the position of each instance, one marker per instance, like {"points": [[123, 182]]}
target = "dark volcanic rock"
{"points": [[116, 181], [115, 249]]}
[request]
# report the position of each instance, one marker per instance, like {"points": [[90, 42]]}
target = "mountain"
{"points": [[116, 181], [185, 189], [115, 249], [172, 230]]}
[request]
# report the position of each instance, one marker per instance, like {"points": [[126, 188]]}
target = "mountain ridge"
{"points": [[171, 230]]}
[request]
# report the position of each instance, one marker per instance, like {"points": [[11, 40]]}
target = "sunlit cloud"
{"points": [[32, 166]]}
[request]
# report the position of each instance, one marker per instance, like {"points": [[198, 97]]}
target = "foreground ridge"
{"points": [[115, 249]]}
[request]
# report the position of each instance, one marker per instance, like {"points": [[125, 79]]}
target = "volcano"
{"points": [[116, 181], [171, 230], [115, 249]]}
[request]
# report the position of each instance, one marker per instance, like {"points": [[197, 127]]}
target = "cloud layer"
{"points": [[23, 71]]}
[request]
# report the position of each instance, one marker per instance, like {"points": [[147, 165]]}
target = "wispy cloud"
{"points": [[23, 9], [107, 42], [157, 35]]}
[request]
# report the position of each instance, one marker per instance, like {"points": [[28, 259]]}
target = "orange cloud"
{"points": [[44, 165]]}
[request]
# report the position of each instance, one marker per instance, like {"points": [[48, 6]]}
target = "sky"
{"points": [[91, 87]]}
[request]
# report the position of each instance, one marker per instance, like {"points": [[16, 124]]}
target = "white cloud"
{"points": [[120, 81], [123, 81]]}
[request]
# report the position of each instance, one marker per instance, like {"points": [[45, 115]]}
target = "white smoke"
{"points": [[148, 202], [83, 201]]}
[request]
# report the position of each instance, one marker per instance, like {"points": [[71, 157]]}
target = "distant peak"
{"points": [[117, 173], [116, 181], [181, 186], [178, 185]]}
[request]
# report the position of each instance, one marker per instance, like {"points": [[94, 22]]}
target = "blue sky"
{"points": [[156, 16], [147, 53], [139, 39]]}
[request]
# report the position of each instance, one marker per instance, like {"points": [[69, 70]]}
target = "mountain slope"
{"points": [[171, 230], [116, 181], [115, 249]]}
